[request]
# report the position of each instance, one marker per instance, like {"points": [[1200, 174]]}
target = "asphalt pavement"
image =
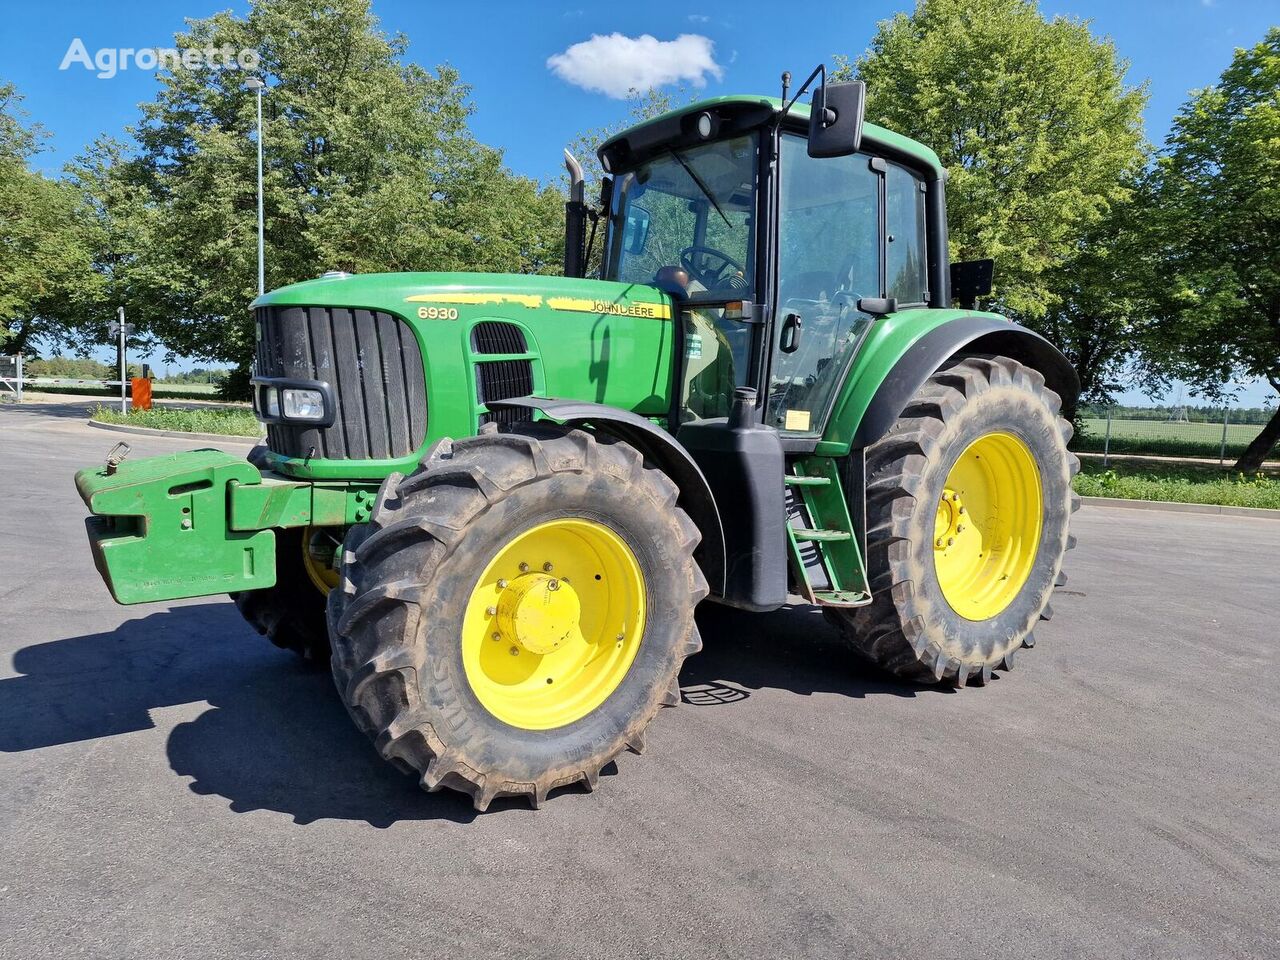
{"points": [[171, 785]]}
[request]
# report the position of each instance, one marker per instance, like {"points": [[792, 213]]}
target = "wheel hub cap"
{"points": [[538, 612], [554, 623]]}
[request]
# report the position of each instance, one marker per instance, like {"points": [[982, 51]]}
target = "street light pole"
{"points": [[124, 407], [257, 86]]}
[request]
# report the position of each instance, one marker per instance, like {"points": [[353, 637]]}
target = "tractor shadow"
{"points": [[276, 736], [792, 648]]}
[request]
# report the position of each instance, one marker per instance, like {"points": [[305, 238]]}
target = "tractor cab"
{"points": [[781, 255]]}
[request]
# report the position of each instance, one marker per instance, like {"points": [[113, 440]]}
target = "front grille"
{"points": [[502, 380], [494, 336], [370, 359]]}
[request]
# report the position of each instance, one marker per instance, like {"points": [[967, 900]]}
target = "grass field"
{"points": [[1166, 439], [1177, 484], [231, 423]]}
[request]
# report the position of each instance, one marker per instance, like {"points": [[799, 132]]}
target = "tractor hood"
{"points": [[404, 359], [408, 294]]}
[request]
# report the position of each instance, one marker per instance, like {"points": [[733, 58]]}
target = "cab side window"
{"points": [[906, 269]]}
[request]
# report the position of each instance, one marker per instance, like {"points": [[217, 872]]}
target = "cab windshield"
{"points": [[685, 218]]}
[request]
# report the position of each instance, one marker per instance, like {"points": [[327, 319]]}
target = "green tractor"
{"points": [[494, 501]]}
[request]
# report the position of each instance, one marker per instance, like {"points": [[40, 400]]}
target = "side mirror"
{"points": [[971, 279], [636, 232], [835, 119]]}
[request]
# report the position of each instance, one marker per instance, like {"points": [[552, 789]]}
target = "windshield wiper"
{"points": [[701, 186]]}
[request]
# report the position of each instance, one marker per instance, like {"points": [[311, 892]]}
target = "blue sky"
{"points": [[502, 49]]}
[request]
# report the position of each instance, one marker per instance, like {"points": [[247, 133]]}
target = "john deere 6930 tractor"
{"points": [[494, 501]]}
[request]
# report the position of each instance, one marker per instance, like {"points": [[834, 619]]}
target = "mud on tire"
{"points": [[396, 616]]}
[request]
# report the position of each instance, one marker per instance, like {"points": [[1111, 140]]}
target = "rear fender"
{"points": [[903, 350], [967, 335]]}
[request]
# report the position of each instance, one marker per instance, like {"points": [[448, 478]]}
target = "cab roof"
{"points": [[751, 111]]}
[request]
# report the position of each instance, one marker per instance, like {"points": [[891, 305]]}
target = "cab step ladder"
{"points": [[825, 556]]}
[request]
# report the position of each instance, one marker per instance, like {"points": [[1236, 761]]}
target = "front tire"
{"points": [[516, 611], [968, 503]]}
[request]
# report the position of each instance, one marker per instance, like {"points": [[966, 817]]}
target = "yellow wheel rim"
{"points": [[320, 547], [987, 529], [553, 624]]}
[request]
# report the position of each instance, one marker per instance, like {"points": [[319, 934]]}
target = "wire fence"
{"points": [[1205, 433]]}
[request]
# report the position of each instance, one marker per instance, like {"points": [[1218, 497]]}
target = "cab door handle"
{"points": [[789, 336]]}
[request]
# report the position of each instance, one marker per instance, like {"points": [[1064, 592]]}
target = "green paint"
{"points": [[590, 340], [159, 530], [817, 481], [887, 342], [198, 523]]}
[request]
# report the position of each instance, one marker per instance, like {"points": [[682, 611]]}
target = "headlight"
{"points": [[302, 404], [271, 400]]}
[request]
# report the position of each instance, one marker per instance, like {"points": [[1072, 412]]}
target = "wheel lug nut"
{"points": [[491, 611], [546, 567], [938, 542], [959, 528], [962, 510], [497, 636], [951, 541], [502, 584], [524, 568], [515, 651], [553, 585]]}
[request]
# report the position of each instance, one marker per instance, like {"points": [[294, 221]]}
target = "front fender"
{"points": [[661, 449]]}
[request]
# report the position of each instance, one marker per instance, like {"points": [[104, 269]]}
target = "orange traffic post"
{"points": [[141, 388]]}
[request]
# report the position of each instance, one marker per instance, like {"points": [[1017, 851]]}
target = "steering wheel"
{"points": [[709, 275]]}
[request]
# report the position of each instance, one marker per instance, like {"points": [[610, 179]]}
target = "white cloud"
{"points": [[699, 18], [617, 64]]}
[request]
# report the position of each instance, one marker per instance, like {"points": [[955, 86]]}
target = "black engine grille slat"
{"points": [[415, 386], [371, 360], [494, 336], [503, 379]]}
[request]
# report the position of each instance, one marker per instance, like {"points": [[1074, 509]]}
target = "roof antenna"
{"points": [[786, 84]]}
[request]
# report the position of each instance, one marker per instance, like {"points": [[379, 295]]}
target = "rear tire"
{"points": [[937, 616], [417, 577]]}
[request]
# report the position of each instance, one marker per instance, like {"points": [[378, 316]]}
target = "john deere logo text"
{"points": [[651, 310]]}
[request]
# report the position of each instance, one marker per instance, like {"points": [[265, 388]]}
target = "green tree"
{"points": [[45, 240], [1031, 117], [369, 165], [1213, 224], [1095, 314]]}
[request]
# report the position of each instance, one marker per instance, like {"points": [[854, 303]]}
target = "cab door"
{"points": [[848, 227]]}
